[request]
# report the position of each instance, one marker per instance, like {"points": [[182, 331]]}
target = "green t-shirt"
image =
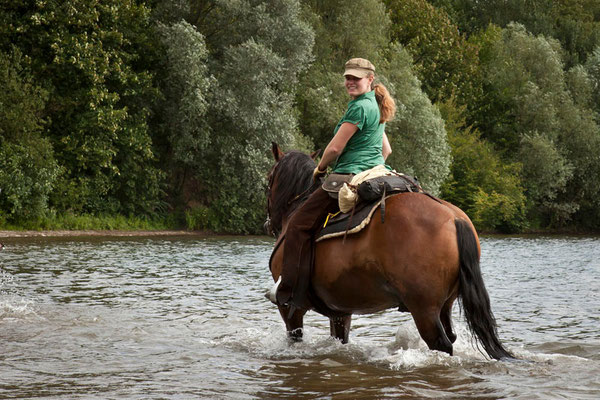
{"points": [[363, 150]]}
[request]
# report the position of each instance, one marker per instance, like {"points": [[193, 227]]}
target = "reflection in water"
{"points": [[186, 318]]}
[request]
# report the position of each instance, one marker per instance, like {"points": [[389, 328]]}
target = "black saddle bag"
{"points": [[376, 188]]}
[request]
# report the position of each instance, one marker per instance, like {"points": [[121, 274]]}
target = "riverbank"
{"points": [[115, 233], [192, 233]]}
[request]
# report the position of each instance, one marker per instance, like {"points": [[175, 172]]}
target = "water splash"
{"points": [[12, 308]]}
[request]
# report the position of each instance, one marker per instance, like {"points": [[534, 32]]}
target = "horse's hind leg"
{"points": [[294, 323], [339, 327], [446, 319], [432, 331]]}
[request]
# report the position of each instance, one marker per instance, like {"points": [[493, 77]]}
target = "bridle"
{"points": [[268, 225]]}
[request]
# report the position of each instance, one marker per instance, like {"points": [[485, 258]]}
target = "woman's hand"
{"points": [[317, 173]]}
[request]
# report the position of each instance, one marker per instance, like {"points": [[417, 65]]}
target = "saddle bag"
{"points": [[377, 188], [334, 183]]}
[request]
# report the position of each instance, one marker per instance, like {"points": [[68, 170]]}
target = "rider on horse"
{"points": [[359, 143]]}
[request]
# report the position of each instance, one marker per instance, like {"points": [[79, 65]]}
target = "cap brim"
{"points": [[359, 73]]}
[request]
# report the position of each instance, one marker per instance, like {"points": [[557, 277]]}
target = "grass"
{"points": [[91, 222]]}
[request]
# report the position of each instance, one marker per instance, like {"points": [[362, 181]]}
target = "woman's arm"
{"points": [[386, 149], [337, 145]]}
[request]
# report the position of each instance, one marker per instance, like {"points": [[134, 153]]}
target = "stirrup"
{"points": [[272, 293]]}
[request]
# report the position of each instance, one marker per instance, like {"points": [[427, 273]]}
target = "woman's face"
{"points": [[358, 86]]}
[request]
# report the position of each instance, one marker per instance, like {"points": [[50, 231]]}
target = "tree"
{"points": [[417, 134], [256, 50], [28, 170], [488, 189], [186, 84], [445, 62], [93, 58], [592, 68], [574, 23], [535, 120]]}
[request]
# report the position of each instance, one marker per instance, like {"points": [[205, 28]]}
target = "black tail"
{"points": [[474, 296]]}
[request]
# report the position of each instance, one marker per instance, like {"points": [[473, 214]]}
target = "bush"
{"points": [[489, 191], [28, 170]]}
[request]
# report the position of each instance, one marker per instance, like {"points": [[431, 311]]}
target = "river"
{"points": [[185, 317]]}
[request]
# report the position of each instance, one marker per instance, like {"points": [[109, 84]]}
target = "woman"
{"points": [[359, 143]]}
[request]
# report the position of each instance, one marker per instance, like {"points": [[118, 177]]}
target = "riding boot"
{"points": [[298, 249]]}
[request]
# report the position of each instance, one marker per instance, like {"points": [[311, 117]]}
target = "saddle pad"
{"points": [[348, 223]]}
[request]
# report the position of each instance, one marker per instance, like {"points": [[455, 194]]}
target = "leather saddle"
{"points": [[372, 194]]}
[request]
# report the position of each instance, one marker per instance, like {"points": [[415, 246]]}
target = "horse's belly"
{"points": [[351, 300], [359, 290]]}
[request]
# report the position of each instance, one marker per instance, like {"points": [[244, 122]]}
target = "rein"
{"points": [[308, 190]]}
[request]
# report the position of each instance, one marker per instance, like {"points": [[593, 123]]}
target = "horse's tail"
{"points": [[474, 297]]}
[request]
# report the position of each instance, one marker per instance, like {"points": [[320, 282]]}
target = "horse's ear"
{"points": [[315, 154], [277, 153]]}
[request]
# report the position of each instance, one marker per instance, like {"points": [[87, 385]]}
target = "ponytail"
{"points": [[387, 105]]}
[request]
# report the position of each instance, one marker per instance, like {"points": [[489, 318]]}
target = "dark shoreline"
{"points": [[6, 234], [105, 233]]}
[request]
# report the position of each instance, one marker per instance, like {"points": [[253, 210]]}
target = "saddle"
{"points": [[371, 194]]}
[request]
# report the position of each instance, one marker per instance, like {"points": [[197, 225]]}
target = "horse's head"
{"points": [[290, 183]]}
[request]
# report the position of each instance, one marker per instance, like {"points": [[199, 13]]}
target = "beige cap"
{"points": [[359, 67]]}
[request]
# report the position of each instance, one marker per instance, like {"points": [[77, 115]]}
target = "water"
{"points": [[180, 318]]}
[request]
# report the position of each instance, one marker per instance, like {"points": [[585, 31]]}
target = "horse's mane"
{"points": [[293, 173]]}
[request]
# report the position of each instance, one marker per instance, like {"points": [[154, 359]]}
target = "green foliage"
{"points": [[69, 221], [256, 53], [524, 80], [27, 174], [473, 15], [592, 67], [186, 86], [93, 60], [28, 170], [198, 218], [576, 26], [112, 112], [417, 134], [535, 120], [487, 189], [546, 172], [497, 212], [581, 87], [574, 23], [580, 142], [182, 129], [445, 62]]}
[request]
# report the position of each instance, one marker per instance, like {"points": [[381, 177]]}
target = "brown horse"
{"points": [[420, 259]]}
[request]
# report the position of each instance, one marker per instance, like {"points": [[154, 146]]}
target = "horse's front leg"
{"points": [[294, 323], [339, 327]]}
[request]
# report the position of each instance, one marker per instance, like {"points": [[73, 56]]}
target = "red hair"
{"points": [[387, 105]]}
